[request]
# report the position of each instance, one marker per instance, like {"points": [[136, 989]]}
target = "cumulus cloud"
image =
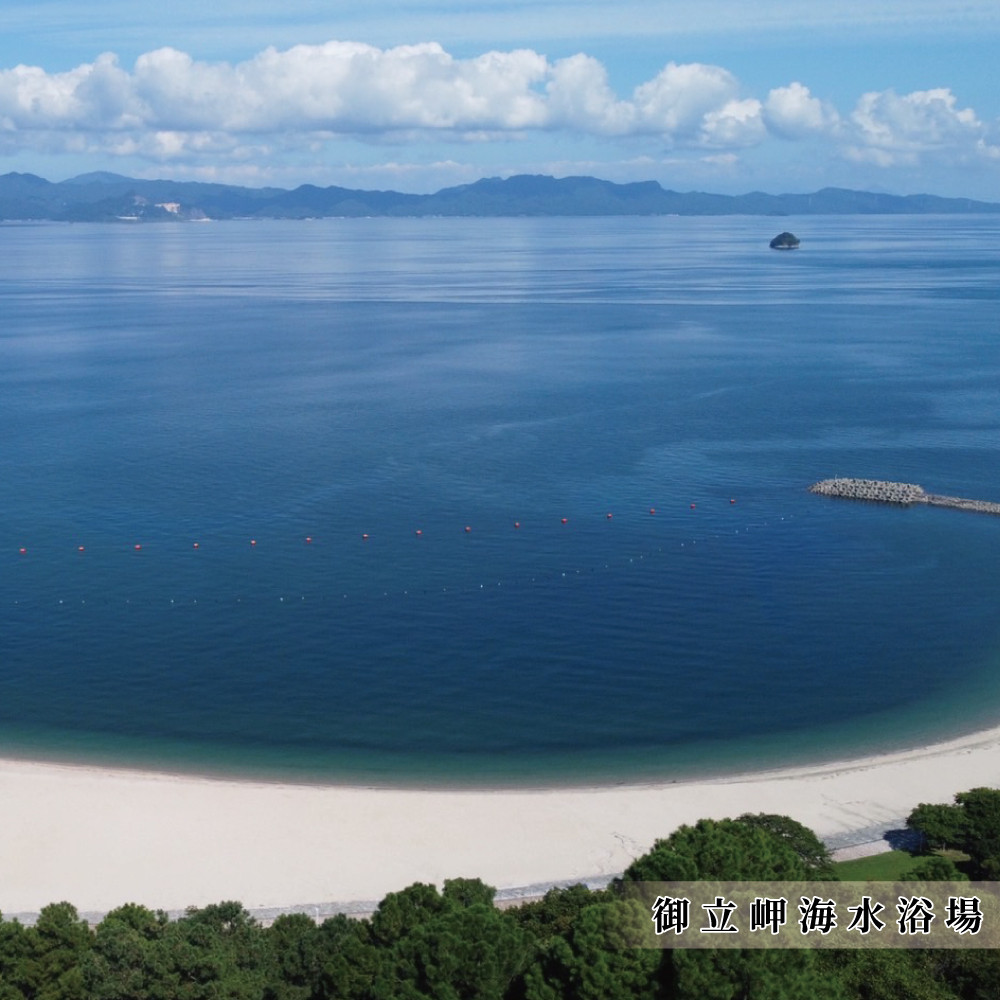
{"points": [[172, 102], [580, 97], [891, 129], [793, 112], [735, 124], [95, 95], [343, 87], [338, 87], [171, 107], [676, 101]]}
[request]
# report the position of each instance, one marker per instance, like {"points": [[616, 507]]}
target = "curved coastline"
{"points": [[100, 837], [708, 759]]}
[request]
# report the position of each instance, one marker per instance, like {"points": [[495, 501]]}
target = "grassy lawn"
{"points": [[885, 867], [888, 866]]}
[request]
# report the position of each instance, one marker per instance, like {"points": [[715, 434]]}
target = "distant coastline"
{"points": [[108, 197]]}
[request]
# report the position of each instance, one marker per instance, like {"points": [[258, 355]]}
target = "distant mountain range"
{"points": [[105, 197]]}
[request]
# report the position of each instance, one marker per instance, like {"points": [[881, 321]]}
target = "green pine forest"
{"points": [[456, 945]]}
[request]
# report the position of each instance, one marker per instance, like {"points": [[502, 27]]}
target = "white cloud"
{"points": [[337, 87], [890, 129], [350, 87], [95, 95], [579, 96], [792, 112], [734, 125], [676, 101], [285, 105], [169, 101]]}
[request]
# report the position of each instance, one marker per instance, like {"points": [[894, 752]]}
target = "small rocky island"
{"points": [[785, 241], [880, 491]]}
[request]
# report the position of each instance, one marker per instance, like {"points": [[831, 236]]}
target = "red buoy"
{"points": [[364, 538], [517, 524], [79, 548], [23, 551], [609, 515], [692, 506], [196, 545], [137, 546], [308, 539], [419, 532], [467, 529], [564, 520], [253, 541], [652, 510], [732, 501]]}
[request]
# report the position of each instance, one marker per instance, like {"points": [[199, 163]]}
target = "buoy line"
{"points": [[257, 595], [365, 536]]}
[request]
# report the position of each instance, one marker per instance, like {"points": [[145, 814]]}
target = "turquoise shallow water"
{"points": [[274, 392]]}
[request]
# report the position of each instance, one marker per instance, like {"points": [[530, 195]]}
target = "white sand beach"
{"points": [[99, 838]]}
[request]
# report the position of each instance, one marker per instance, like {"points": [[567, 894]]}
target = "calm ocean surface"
{"points": [[246, 401]]}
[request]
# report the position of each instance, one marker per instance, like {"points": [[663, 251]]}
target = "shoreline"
{"points": [[842, 751], [100, 837]]}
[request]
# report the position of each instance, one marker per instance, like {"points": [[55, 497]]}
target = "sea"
{"points": [[495, 502]]}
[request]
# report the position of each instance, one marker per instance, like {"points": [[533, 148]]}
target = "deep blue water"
{"points": [[219, 384]]}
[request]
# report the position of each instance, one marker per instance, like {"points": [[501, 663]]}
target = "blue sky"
{"points": [[415, 95]]}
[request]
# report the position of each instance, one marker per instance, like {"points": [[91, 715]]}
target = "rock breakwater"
{"points": [[905, 494]]}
